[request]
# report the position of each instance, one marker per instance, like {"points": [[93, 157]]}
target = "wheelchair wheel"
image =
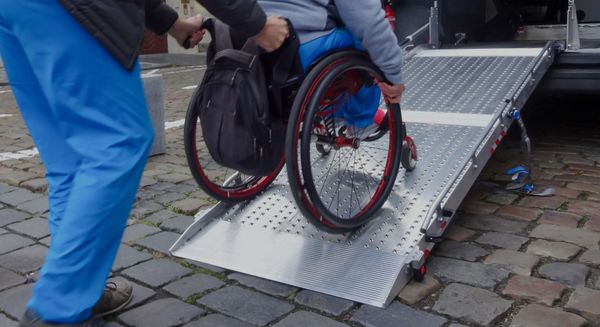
{"points": [[220, 182], [341, 191]]}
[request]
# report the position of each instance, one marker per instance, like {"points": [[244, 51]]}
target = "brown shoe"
{"points": [[30, 319], [117, 295]]}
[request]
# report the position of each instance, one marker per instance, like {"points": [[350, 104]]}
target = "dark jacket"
{"points": [[119, 24]]}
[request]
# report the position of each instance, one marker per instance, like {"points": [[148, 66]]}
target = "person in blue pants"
{"points": [[84, 106], [359, 110]]}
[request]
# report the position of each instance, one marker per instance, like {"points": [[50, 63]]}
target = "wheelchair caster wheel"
{"points": [[324, 150], [409, 154], [419, 274]]}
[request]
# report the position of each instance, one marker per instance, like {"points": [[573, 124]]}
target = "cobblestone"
{"points": [[535, 315], [520, 263], [305, 318], [188, 206], [584, 238], [128, 256], [12, 301], [160, 216], [558, 250], [534, 289], [503, 240], [35, 227], [9, 279], [11, 242], [415, 291], [161, 313], [17, 197], [502, 198], [572, 274], [586, 302], [24, 260], [479, 207], [520, 213], [177, 224], [160, 242], [216, 320], [263, 285], [173, 178], [472, 304], [460, 234], [156, 272], [37, 206], [323, 302], [471, 273], [564, 219], [6, 322], [493, 224], [245, 305], [459, 250], [552, 202], [140, 294], [138, 231], [9, 216], [195, 284], [584, 208], [395, 315], [16, 177], [591, 257], [144, 208], [37, 185]]}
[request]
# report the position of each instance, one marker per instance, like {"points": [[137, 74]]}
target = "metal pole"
{"points": [[434, 26], [573, 42]]}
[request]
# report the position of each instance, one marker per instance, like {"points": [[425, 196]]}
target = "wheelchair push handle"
{"points": [[206, 24]]}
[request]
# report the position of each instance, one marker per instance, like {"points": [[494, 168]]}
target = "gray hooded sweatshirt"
{"points": [[363, 18]]}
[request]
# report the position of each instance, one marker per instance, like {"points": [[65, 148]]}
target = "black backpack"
{"points": [[234, 106]]}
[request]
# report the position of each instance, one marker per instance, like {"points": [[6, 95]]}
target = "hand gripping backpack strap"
{"points": [[285, 64]]}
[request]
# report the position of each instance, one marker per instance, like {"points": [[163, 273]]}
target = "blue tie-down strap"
{"points": [[518, 173]]}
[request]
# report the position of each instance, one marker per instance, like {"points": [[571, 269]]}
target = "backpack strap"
{"points": [[287, 62], [222, 36]]}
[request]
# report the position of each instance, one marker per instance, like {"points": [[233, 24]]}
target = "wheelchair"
{"points": [[338, 179]]}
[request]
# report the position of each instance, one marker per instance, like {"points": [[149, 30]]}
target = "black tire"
{"points": [[409, 154], [298, 146], [199, 160]]}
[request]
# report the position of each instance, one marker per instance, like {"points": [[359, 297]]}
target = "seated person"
{"points": [[365, 28]]}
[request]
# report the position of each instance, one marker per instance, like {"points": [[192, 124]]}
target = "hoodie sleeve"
{"points": [[245, 16], [367, 23]]}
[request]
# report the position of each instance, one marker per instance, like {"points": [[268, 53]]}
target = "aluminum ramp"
{"points": [[456, 108]]}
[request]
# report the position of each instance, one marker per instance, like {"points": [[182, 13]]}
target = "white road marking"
{"points": [[189, 87], [18, 155], [174, 124], [34, 151], [5, 115], [5, 91]]}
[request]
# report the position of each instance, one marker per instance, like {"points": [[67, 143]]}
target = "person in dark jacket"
{"points": [[73, 70]]}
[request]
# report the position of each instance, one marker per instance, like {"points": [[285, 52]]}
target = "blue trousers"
{"points": [[359, 109], [88, 118]]}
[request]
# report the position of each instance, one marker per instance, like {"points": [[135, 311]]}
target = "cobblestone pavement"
{"points": [[507, 261]]}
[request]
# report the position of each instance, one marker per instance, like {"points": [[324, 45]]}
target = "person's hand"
{"points": [[392, 93], [188, 29], [271, 37]]}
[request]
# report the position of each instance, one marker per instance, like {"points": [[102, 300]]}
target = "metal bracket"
{"points": [[434, 26], [573, 42]]}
